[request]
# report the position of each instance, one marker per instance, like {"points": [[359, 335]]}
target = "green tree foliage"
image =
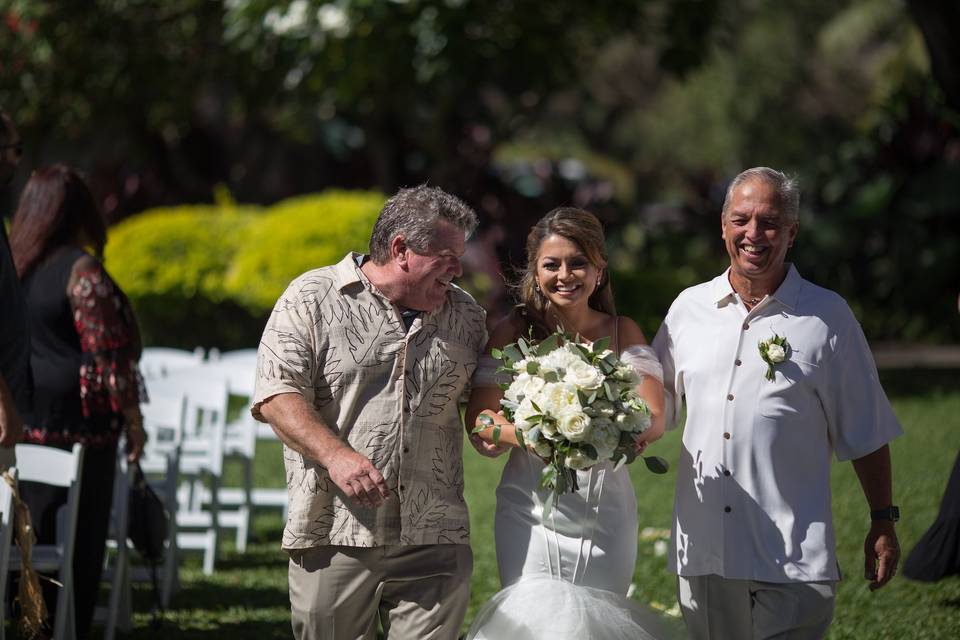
{"points": [[209, 275], [294, 236], [640, 111]]}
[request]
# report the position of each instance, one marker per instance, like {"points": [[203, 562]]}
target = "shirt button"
{"points": [[726, 472], [402, 487], [726, 436], [729, 396], [727, 509], [406, 449], [737, 362]]}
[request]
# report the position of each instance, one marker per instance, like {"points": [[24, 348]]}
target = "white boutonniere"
{"points": [[773, 351]]}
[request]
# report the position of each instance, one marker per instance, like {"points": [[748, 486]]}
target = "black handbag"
{"points": [[147, 529]]}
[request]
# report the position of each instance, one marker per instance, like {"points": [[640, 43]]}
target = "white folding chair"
{"points": [[159, 362], [201, 459], [163, 421], [6, 539], [59, 468]]}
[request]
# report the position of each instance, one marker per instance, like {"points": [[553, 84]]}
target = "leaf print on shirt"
{"points": [[381, 447], [370, 324], [330, 381], [431, 384], [447, 460], [460, 535], [424, 510], [466, 323]]}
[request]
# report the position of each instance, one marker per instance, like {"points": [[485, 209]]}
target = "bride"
{"points": [[566, 575]]}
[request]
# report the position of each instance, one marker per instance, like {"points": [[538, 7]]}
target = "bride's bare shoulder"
{"points": [[630, 332]]}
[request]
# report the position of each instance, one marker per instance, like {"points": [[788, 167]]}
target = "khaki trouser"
{"points": [[718, 608], [417, 592]]}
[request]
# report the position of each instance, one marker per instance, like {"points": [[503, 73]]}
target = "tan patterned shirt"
{"points": [[392, 394]]}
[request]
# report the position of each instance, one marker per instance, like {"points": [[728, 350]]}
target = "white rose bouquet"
{"points": [[573, 404]]}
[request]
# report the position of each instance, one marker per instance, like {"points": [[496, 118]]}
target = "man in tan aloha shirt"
{"points": [[360, 370]]}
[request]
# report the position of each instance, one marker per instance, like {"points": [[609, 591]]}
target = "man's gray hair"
{"points": [[786, 187], [413, 213]]}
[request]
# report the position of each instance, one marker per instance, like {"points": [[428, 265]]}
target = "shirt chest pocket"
{"points": [[790, 393]]}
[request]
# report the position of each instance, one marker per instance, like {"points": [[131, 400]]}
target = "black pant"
{"points": [[96, 498]]}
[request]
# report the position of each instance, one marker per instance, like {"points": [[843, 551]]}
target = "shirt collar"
{"points": [[787, 294], [346, 272]]}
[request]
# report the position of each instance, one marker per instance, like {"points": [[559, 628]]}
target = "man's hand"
{"points": [[484, 448], [881, 553], [358, 478]]}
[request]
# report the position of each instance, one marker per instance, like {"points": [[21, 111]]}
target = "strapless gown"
{"points": [[566, 576]]}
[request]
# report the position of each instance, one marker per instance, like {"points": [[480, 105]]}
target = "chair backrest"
{"points": [[55, 467], [159, 362], [47, 465], [163, 420], [205, 419]]}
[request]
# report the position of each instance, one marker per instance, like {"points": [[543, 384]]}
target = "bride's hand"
{"points": [[484, 448], [640, 444]]}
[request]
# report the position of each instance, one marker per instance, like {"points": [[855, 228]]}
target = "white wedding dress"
{"points": [[566, 576]]}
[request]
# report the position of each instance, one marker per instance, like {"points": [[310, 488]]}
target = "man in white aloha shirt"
{"points": [[359, 372], [777, 376]]}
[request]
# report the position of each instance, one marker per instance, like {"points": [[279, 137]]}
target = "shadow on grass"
{"points": [[263, 630]]}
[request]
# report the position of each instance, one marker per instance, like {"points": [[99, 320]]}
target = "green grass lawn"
{"points": [[246, 598]]}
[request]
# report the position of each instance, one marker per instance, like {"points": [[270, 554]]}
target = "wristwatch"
{"points": [[891, 513]]}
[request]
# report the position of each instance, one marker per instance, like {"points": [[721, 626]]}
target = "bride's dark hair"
{"points": [[584, 230]]}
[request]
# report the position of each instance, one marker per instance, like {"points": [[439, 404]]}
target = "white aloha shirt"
{"points": [[753, 480]]}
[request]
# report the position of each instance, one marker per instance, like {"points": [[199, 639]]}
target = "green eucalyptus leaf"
{"points": [[549, 344], [551, 376], [496, 434], [512, 353], [532, 367], [600, 345], [656, 464], [524, 347], [520, 439]]}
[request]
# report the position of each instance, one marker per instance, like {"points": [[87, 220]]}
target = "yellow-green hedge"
{"points": [[209, 275]]}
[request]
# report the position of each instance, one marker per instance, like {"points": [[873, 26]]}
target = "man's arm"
{"points": [[301, 429], [10, 425], [881, 549]]}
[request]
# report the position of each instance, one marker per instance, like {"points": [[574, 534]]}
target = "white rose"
{"points": [[583, 375], [578, 459], [574, 425], [524, 386], [775, 353], [521, 417], [604, 436], [559, 360], [632, 421], [557, 397]]}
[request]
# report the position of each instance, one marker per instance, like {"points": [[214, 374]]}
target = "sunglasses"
{"points": [[16, 146]]}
